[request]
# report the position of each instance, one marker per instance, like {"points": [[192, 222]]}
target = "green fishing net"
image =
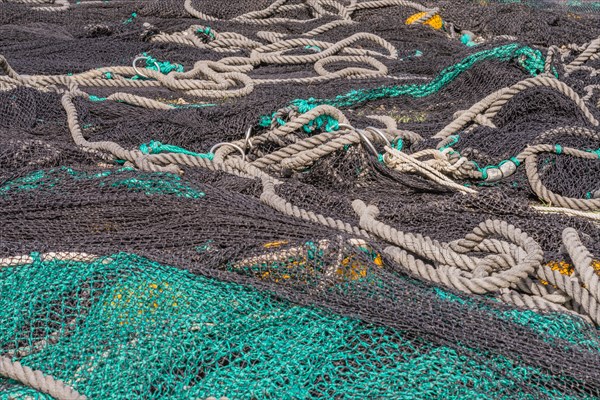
{"points": [[123, 327]]}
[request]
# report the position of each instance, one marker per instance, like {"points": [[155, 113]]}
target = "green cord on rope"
{"points": [[455, 139], [164, 67], [484, 170], [207, 33], [398, 144], [529, 59], [558, 148], [515, 161], [327, 122], [313, 48], [265, 121], [597, 152], [156, 147], [96, 98]]}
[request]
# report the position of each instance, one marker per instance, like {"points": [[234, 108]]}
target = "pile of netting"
{"points": [[297, 199]]}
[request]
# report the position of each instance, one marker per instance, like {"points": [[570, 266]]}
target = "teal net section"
{"points": [[150, 184], [123, 326]]}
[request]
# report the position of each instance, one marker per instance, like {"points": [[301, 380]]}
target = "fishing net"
{"points": [[279, 199]]}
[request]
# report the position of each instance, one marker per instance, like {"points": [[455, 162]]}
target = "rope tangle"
{"points": [[511, 268]]}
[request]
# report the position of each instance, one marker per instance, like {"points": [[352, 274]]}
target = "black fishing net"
{"points": [[299, 199]]}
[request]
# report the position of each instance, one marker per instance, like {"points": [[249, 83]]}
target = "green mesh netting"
{"points": [[123, 326]]}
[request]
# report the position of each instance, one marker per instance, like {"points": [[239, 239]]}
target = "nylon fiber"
{"points": [[299, 199]]}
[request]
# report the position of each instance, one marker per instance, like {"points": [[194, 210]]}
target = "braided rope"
{"points": [[493, 103], [582, 259], [37, 380], [595, 216], [555, 199]]}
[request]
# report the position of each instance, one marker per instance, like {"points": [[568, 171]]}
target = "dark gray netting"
{"points": [[293, 199]]}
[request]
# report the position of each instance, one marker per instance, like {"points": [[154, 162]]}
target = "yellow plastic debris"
{"points": [[275, 244], [435, 22]]}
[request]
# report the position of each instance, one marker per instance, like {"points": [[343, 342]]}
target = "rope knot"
{"points": [[365, 212]]}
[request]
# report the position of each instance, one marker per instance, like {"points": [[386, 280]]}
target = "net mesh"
{"points": [[299, 199]]}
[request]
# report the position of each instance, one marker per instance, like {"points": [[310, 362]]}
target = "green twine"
{"points": [[466, 39], [108, 75], [156, 147], [455, 139], [207, 32], [484, 170], [130, 19], [529, 59], [96, 98], [515, 161], [398, 144], [164, 67], [325, 122], [597, 152], [558, 148], [316, 49], [265, 121], [417, 53]]}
